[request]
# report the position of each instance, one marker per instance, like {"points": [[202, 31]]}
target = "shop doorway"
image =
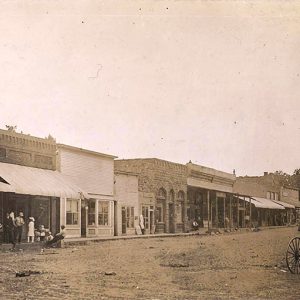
{"points": [[124, 221], [221, 212], [171, 218], [84, 212], [45, 210], [152, 225], [55, 215]]}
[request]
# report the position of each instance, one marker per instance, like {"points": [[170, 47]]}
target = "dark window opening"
{"points": [[2, 152]]}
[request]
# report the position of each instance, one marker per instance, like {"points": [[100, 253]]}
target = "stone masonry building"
{"points": [[162, 187], [271, 186]]}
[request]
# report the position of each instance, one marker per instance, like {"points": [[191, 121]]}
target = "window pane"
{"points": [[91, 206], [105, 208], [105, 219], [75, 219], [91, 219], [73, 206], [103, 213], [69, 218], [68, 205], [100, 219]]}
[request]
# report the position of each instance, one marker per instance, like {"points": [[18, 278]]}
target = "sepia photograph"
{"points": [[149, 149]]}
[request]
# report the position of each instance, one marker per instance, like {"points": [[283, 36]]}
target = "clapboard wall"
{"points": [[94, 173]]}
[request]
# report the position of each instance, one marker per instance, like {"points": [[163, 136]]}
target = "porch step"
{"points": [[36, 246]]}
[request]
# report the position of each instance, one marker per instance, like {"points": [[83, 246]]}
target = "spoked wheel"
{"points": [[293, 256]]}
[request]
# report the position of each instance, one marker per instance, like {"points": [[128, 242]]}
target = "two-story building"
{"points": [[172, 195], [210, 197], [93, 172], [127, 210], [162, 193], [274, 202], [29, 182]]}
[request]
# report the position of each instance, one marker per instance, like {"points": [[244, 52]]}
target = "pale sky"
{"points": [[214, 82]]}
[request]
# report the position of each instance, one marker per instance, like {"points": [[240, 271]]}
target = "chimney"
{"points": [[265, 173]]}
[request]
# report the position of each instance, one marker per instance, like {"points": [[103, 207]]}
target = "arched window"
{"points": [[162, 194], [180, 196], [172, 196]]}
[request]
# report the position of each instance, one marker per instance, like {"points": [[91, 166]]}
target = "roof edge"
{"points": [[85, 151]]}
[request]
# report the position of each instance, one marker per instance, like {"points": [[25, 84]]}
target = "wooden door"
{"points": [[124, 220]]}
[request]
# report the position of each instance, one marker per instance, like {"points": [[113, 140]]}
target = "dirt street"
{"points": [[229, 266]]}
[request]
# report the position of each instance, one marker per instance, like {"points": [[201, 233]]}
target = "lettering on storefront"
{"points": [[42, 159], [19, 156]]}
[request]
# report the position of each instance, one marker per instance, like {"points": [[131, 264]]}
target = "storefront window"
{"points": [[103, 213], [130, 217], [72, 210], [91, 212], [159, 212], [40, 210], [145, 211], [179, 212], [188, 213]]}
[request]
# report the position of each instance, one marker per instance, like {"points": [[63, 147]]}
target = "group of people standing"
{"points": [[13, 228]]}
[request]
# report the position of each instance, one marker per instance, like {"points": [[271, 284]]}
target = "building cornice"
{"points": [[76, 149]]}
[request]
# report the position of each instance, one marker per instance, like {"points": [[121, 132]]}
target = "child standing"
{"points": [[30, 235]]}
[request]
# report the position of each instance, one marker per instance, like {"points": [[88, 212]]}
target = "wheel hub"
{"points": [[297, 255]]}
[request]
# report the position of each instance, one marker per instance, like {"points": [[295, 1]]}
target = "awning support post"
{"points": [[208, 210]]}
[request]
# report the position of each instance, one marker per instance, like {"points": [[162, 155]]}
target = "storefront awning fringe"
{"points": [[262, 202], [284, 204]]}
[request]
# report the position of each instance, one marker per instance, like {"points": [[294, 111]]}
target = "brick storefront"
{"points": [[26, 150]]}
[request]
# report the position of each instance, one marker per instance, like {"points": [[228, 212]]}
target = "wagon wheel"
{"points": [[293, 255]]}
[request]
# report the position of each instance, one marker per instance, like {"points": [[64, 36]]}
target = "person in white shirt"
{"points": [[142, 224], [30, 233]]}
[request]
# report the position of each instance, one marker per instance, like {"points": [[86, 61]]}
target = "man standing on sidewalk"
{"points": [[19, 222], [11, 230]]}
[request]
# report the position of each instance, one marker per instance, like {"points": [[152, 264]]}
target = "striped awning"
{"points": [[33, 181], [284, 204], [265, 203], [262, 202]]}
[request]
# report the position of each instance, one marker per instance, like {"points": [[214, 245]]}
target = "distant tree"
{"points": [[280, 172], [297, 172]]}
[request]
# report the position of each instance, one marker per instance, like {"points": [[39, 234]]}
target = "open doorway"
{"points": [[171, 218]]}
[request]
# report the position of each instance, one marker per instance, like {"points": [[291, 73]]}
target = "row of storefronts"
{"points": [[172, 196], [94, 194]]}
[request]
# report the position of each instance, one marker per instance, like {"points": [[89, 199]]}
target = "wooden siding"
{"points": [[94, 174], [126, 194]]}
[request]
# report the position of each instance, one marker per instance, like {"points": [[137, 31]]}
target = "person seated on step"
{"points": [[49, 236], [195, 225], [57, 238]]}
